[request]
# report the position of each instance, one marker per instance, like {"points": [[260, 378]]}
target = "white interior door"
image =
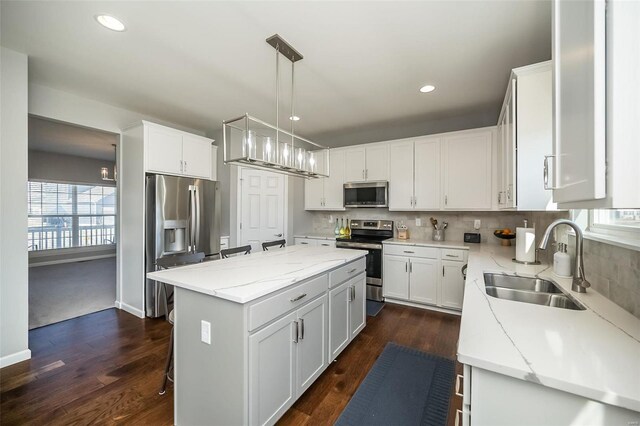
{"points": [[262, 207]]}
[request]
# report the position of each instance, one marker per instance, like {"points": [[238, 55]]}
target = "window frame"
{"points": [[612, 230]]}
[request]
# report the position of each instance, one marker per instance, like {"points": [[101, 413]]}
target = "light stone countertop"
{"points": [[417, 242], [242, 279], [593, 353]]}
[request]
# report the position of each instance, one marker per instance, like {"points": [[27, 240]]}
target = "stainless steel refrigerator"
{"points": [[183, 216]]}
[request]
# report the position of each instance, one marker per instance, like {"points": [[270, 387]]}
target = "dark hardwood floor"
{"points": [[106, 368]]}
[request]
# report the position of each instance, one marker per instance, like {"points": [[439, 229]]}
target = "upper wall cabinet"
{"points": [[414, 174], [466, 170], [596, 58], [367, 163], [524, 139], [327, 193], [173, 152]]}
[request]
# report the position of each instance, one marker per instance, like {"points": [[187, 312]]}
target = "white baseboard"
{"points": [[427, 307], [128, 308], [15, 358]]}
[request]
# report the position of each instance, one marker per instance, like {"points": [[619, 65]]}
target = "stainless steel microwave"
{"points": [[366, 194]]}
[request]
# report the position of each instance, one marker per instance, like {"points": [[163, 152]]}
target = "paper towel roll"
{"points": [[526, 244]]}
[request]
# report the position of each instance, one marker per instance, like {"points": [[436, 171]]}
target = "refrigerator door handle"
{"points": [[192, 216], [197, 219]]}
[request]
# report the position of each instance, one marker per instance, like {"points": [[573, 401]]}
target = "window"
{"points": [[67, 215], [622, 223]]}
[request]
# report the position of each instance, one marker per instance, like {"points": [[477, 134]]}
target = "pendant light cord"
{"points": [[277, 94]]}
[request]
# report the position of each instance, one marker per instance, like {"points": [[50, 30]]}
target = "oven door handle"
{"points": [[359, 245]]}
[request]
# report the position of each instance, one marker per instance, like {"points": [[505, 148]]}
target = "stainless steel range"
{"points": [[368, 235]]}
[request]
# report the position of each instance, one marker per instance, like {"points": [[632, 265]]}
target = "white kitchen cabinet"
{"points": [[327, 193], [451, 284], [467, 170], [428, 276], [311, 342], [596, 104], [339, 332], [346, 313], [414, 175], [530, 404], [272, 363], [367, 163], [396, 277], [305, 241], [423, 280], [171, 151], [524, 138]]}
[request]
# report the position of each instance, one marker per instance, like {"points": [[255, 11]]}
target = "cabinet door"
{"points": [[395, 270], [314, 194], [510, 148], [423, 280], [357, 305], [312, 342], [579, 106], [196, 156], [377, 162], [401, 176], [164, 150], [333, 185], [466, 159], [272, 366], [354, 164], [452, 285], [338, 320], [427, 174], [501, 132], [305, 242]]}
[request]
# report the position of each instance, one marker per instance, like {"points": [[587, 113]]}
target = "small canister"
{"points": [[438, 235]]}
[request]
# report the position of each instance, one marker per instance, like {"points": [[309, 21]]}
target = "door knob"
{"points": [[277, 235]]}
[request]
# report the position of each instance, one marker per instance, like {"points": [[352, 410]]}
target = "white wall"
{"points": [[62, 168], [14, 290]]}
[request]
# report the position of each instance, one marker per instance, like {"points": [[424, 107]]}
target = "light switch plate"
{"points": [[418, 221], [476, 224], [205, 332]]}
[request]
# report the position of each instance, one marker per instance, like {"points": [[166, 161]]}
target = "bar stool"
{"points": [[281, 243], [224, 254]]}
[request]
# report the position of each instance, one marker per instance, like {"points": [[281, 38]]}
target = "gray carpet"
{"points": [[404, 387], [69, 290]]}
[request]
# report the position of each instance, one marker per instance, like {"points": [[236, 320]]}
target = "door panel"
{"points": [[262, 207], [272, 366], [333, 185], [196, 156], [452, 287], [354, 164], [312, 345], [377, 162], [423, 280], [401, 179], [164, 152], [427, 174], [358, 305], [396, 277], [339, 320], [579, 105]]}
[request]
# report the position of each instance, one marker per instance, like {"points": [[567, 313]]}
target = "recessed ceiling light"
{"points": [[110, 22], [294, 118], [428, 88]]}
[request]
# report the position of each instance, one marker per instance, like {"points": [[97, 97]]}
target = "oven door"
{"points": [[374, 266], [369, 194]]}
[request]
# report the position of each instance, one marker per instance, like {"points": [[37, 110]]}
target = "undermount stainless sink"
{"points": [[528, 290]]}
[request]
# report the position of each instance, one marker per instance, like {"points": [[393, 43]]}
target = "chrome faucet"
{"points": [[579, 283]]}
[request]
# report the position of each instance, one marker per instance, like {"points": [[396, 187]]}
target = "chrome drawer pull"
{"points": [[301, 328], [297, 332], [458, 377], [451, 255], [295, 299], [352, 271], [408, 251]]}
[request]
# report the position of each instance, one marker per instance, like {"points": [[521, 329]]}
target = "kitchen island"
{"points": [[528, 364], [253, 332]]}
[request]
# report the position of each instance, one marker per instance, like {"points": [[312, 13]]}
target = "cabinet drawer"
{"points": [[398, 250], [346, 272], [326, 243], [305, 242], [271, 308], [450, 254]]}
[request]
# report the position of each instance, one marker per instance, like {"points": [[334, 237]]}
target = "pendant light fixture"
{"points": [[251, 142], [104, 171]]}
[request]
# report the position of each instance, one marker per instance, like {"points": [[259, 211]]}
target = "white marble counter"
{"points": [[417, 242], [316, 236], [593, 353], [242, 279]]}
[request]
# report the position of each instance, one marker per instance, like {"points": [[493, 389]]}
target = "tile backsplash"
{"points": [[614, 272]]}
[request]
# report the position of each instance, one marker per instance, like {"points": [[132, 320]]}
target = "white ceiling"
{"points": [[62, 138], [198, 63]]}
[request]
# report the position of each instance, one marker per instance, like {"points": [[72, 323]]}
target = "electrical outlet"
{"points": [[205, 332], [476, 224], [418, 221], [330, 218]]}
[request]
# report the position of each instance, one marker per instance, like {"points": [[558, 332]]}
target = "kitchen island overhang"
{"points": [[277, 320]]}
